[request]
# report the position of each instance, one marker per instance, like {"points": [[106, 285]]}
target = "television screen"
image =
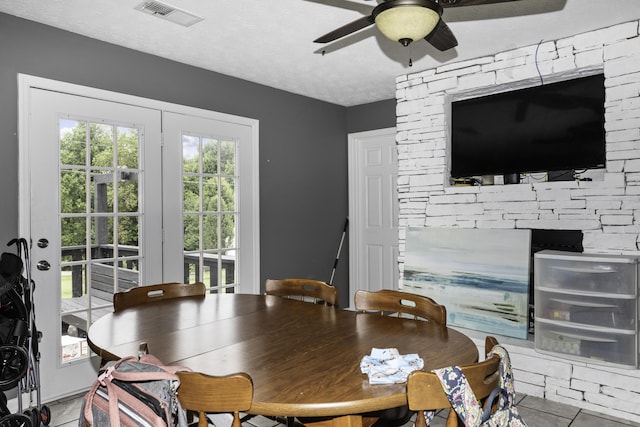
{"points": [[552, 127]]}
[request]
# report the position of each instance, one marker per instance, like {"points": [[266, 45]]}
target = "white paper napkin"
{"points": [[388, 366]]}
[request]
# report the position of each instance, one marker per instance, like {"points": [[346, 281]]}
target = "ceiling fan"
{"points": [[406, 21]]}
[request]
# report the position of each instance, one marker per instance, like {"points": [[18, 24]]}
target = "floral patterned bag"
{"points": [[467, 406]]}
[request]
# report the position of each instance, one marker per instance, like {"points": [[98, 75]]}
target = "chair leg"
{"points": [[236, 420], [202, 419]]}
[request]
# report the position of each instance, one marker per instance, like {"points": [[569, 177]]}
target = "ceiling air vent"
{"points": [[168, 12]]}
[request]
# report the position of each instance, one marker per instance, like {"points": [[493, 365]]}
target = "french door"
{"points": [[204, 195], [119, 192]]}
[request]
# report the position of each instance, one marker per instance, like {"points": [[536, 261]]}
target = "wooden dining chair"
{"points": [[150, 293], [309, 290], [397, 303], [425, 393], [206, 394]]}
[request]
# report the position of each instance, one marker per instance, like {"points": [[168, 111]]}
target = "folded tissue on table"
{"points": [[388, 366]]}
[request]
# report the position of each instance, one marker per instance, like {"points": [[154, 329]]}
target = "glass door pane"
{"points": [[99, 216], [209, 194]]}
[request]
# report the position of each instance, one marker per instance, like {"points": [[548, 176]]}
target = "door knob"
{"points": [[43, 243], [43, 265]]}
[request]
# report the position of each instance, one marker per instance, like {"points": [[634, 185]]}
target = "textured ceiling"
{"points": [[271, 41]]}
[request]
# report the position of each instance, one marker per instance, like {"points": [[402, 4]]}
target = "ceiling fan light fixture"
{"points": [[405, 21]]}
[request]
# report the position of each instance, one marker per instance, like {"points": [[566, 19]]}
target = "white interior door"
{"points": [[94, 168], [373, 211]]}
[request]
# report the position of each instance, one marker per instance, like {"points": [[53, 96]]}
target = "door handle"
{"points": [[43, 265]]}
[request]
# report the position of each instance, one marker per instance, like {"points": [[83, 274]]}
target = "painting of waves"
{"points": [[481, 276]]}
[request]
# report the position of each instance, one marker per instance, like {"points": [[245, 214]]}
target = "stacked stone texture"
{"points": [[606, 209]]}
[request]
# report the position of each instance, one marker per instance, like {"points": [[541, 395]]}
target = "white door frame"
{"points": [[25, 82], [355, 214]]}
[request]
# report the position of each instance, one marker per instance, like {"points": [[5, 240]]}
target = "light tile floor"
{"points": [[536, 412]]}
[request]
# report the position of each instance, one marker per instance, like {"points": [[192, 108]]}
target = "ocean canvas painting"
{"points": [[480, 275]]}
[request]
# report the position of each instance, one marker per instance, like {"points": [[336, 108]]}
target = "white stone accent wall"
{"points": [[606, 209]]}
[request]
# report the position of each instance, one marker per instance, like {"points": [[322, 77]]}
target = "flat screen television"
{"points": [[551, 127]]}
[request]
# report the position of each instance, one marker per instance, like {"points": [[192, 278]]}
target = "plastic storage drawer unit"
{"points": [[586, 306]]}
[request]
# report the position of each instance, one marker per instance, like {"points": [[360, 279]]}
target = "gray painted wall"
{"points": [[303, 142], [376, 115]]}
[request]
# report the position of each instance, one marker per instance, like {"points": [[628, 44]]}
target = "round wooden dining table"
{"points": [[304, 358]]}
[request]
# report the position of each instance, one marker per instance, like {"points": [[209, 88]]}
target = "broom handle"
{"points": [[335, 263]]}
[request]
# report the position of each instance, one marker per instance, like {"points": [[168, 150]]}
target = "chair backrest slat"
{"points": [[303, 289], [158, 292], [204, 394], [398, 302]]}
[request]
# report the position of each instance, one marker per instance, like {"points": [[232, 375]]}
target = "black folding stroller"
{"points": [[19, 339]]}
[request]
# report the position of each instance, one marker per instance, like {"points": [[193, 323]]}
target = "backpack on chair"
{"points": [[134, 393], [467, 406]]}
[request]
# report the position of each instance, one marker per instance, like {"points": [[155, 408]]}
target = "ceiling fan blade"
{"points": [[345, 4], [347, 29], [458, 3], [442, 37]]}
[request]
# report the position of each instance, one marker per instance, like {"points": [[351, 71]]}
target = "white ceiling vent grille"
{"points": [[170, 13]]}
